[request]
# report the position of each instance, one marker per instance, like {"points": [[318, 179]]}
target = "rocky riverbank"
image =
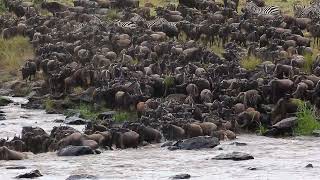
{"points": [[134, 79]]}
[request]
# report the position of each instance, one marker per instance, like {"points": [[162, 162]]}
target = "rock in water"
{"points": [[4, 101], [32, 174], [75, 151], [309, 166], [75, 121], [236, 156], [287, 123], [16, 167], [199, 142], [238, 144], [181, 176], [81, 176], [315, 133]]}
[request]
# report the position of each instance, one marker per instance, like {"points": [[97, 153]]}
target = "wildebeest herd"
{"points": [[162, 66]]}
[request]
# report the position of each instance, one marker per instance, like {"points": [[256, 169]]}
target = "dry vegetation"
{"points": [[13, 53]]}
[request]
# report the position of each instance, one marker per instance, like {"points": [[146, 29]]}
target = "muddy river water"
{"points": [[283, 159]]}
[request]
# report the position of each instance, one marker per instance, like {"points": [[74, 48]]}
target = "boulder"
{"points": [[199, 142], [309, 166], [73, 120], [287, 123], [81, 176], [315, 133], [32, 174], [235, 156], [181, 176], [75, 151], [4, 101]]}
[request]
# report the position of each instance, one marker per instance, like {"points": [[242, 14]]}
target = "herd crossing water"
{"points": [[273, 158]]}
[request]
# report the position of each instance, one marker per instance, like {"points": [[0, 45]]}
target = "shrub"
{"points": [[307, 120], [250, 62]]}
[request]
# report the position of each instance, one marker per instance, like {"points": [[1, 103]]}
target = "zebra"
{"points": [[125, 24], [266, 10], [312, 12]]}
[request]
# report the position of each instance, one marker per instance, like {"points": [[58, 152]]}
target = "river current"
{"points": [[274, 158]]}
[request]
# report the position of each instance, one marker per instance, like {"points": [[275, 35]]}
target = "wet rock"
{"points": [[16, 167], [75, 121], [235, 156], [106, 115], [2, 112], [199, 142], [58, 121], [4, 101], [32, 174], [168, 143], [252, 168], [309, 166], [282, 127], [75, 151], [285, 124], [2, 118], [81, 176], [181, 176], [238, 144]]}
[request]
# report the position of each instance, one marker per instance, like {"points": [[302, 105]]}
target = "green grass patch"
{"points": [[307, 67], [49, 105], [261, 129], [217, 49], [250, 62], [307, 120], [3, 9], [13, 53], [123, 116], [112, 15]]}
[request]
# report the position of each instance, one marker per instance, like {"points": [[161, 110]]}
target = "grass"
{"points": [[49, 105], [123, 116], [262, 129], [87, 112], [307, 67], [112, 15], [2, 7], [250, 62], [78, 90], [217, 49], [307, 120], [13, 53], [4, 101]]}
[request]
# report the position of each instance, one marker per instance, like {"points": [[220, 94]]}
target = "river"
{"points": [[273, 158]]}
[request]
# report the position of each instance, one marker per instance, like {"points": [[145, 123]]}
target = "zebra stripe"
{"points": [[312, 12], [266, 10], [126, 24]]}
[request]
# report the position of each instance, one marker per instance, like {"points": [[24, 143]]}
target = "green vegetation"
{"points": [[2, 7], [168, 82], [217, 49], [13, 53], [250, 62], [122, 116], [112, 15], [262, 129], [307, 120], [49, 105], [307, 67]]}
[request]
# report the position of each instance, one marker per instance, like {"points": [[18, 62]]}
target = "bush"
{"points": [[250, 62], [307, 120]]}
